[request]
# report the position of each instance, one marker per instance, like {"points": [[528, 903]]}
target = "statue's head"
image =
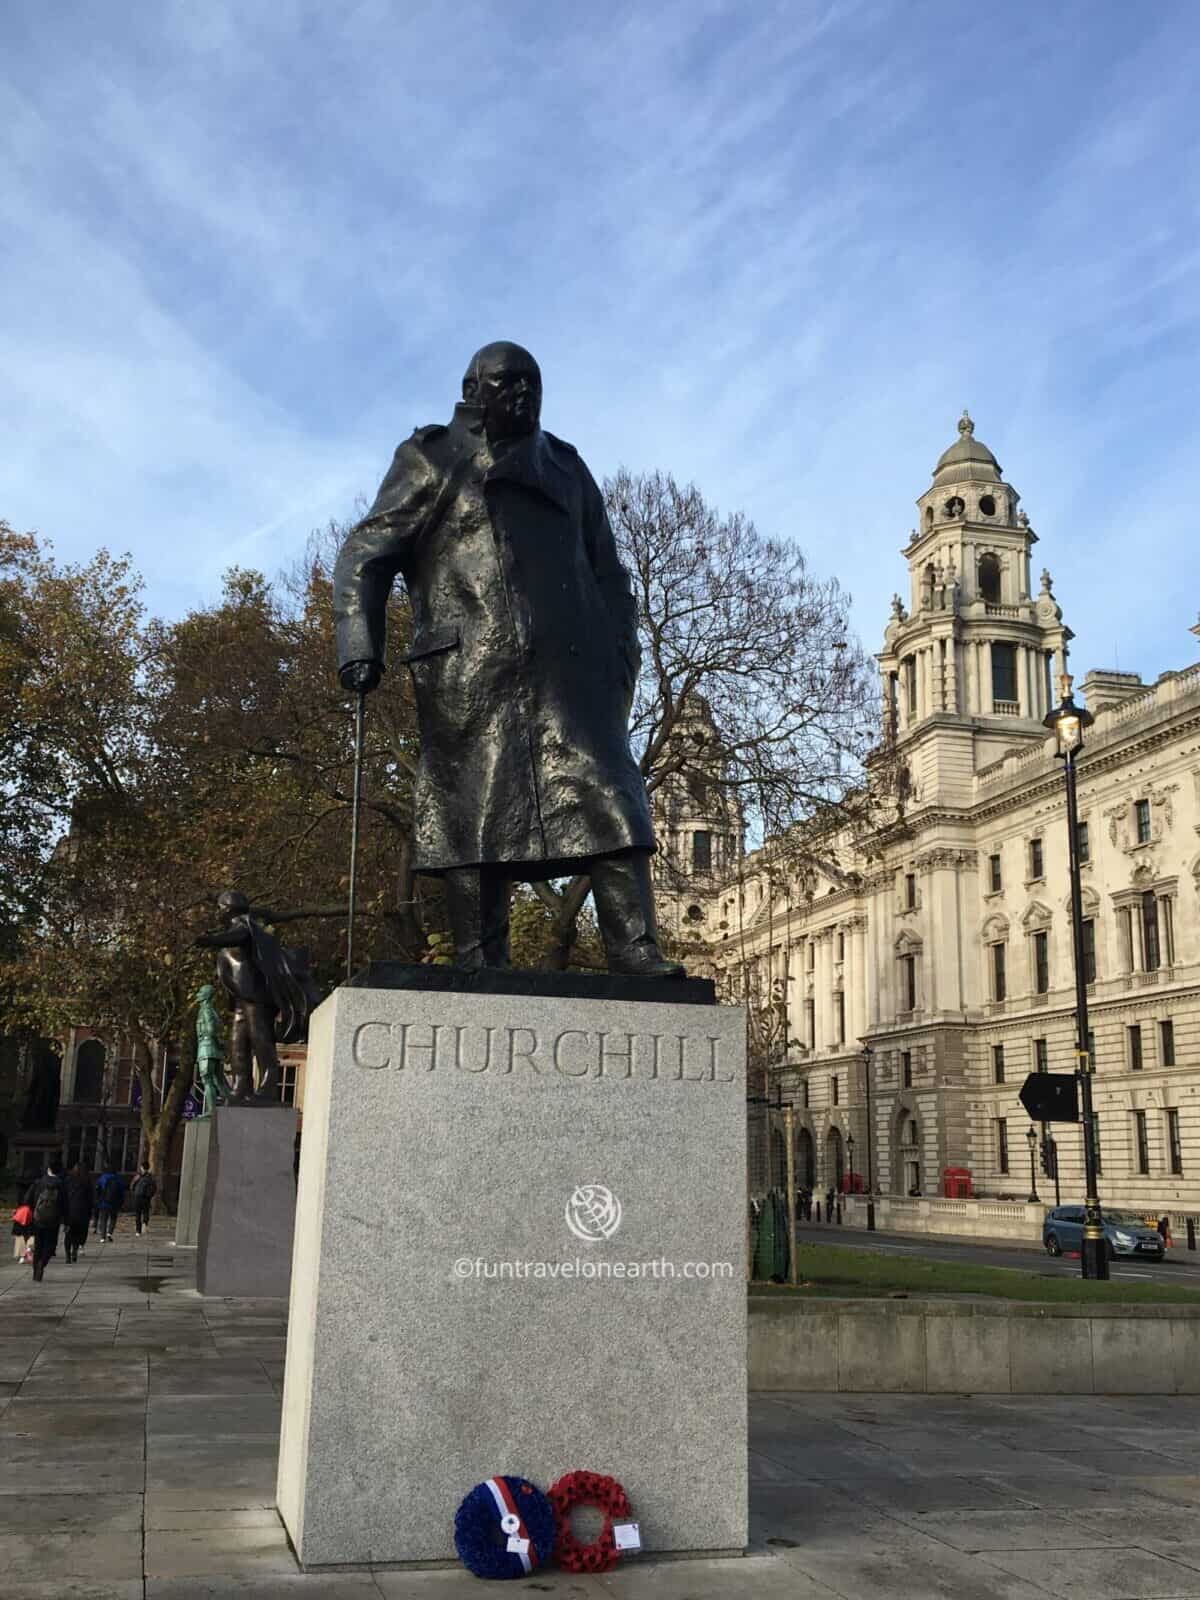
{"points": [[505, 382], [204, 993], [232, 903]]}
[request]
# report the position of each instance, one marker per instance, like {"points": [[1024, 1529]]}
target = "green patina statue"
{"points": [[210, 1052]]}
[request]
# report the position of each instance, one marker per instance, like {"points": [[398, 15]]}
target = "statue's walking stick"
{"points": [[359, 723]]}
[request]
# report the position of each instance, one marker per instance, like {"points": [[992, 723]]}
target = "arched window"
{"points": [[989, 577], [929, 516], [89, 1072]]}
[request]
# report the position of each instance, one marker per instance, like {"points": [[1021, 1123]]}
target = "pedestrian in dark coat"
{"points": [[524, 655], [79, 1211], [48, 1200], [145, 1187]]}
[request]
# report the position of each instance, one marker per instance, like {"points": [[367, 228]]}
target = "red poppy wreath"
{"points": [[588, 1489]]}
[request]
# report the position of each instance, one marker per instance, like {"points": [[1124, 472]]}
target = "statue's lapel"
{"points": [[532, 464]]}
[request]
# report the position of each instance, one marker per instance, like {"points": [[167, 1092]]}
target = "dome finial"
{"points": [[965, 425]]}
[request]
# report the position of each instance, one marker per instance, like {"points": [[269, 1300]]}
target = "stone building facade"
{"points": [[929, 963]]}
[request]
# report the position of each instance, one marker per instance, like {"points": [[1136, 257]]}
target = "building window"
{"points": [[1141, 815], [999, 972], [910, 890], [89, 1072], [989, 578], [994, 869], [836, 1090], [841, 955], [1091, 1047], [1041, 963], [804, 1090], [1002, 1142], [1173, 1142], [1135, 1047], [841, 1018], [287, 1083], [1166, 1043], [908, 668], [812, 955], [1004, 673], [913, 1138], [1089, 950], [998, 1063], [906, 1068], [1125, 929], [702, 850], [1037, 865], [1083, 846], [1151, 956], [1041, 1055], [1143, 1142], [908, 968], [810, 1007]]}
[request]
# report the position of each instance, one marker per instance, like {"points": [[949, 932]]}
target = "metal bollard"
{"points": [[1191, 1225]]}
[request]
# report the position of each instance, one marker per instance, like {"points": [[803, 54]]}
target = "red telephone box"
{"points": [[956, 1183]]}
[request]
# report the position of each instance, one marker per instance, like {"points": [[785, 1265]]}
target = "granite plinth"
{"points": [[551, 985], [192, 1178], [244, 1244], [447, 1320]]}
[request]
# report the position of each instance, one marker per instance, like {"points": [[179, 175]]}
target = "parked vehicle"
{"points": [[1127, 1235]]}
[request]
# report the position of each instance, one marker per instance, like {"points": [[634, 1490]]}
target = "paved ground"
{"points": [[138, 1431], [1180, 1265]]}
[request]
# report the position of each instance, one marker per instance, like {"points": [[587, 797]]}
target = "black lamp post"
{"points": [[850, 1162], [866, 1055], [1031, 1139], [1067, 721]]}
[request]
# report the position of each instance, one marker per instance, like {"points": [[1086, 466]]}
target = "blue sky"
{"points": [[774, 249]]}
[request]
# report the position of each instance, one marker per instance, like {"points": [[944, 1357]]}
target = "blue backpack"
{"points": [[112, 1191]]}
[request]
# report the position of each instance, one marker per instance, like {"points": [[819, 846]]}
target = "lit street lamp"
{"points": [[1067, 721], [1031, 1139]]}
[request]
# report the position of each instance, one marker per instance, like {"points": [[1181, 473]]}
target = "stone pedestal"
{"points": [[461, 1308], [191, 1183], [244, 1245]]}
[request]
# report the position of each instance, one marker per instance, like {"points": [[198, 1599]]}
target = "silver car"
{"points": [[1127, 1234]]}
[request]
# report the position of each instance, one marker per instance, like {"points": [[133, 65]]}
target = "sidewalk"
{"points": [[139, 1423]]}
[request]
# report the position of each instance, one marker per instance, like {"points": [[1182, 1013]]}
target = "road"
{"points": [[1179, 1266]]}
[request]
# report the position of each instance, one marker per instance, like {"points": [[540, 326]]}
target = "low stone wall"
{"points": [[979, 1219], [971, 1347]]}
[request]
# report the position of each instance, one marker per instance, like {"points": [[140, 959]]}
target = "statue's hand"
{"points": [[360, 677]]}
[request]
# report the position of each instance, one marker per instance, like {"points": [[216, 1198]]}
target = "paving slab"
{"points": [[937, 1574], [1119, 1573], [100, 1556]]}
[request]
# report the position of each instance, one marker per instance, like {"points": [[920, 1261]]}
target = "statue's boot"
{"points": [[477, 902], [624, 897]]}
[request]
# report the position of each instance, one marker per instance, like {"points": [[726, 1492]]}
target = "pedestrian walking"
{"points": [[1164, 1228], [47, 1200], [829, 1205], [79, 1211], [145, 1187], [22, 1227], [110, 1196]]}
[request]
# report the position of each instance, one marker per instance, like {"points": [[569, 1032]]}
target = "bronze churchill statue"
{"points": [[524, 655]]}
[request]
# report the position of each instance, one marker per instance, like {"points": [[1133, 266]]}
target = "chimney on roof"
{"points": [[1104, 689]]}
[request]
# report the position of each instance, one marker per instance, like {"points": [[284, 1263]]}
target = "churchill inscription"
{"points": [[571, 1052]]}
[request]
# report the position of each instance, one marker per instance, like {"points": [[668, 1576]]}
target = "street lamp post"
{"points": [[1031, 1139], [870, 1141], [1067, 721], [850, 1162]]}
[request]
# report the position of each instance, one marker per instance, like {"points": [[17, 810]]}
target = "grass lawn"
{"points": [[830, 1270]]}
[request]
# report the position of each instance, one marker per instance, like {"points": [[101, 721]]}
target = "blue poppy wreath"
{"points": [[505, 1528]]}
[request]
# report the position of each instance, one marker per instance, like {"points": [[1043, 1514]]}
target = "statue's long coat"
{"points": [[523, 655]]}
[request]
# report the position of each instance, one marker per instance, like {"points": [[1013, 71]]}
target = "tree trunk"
{"points": [[566, 908]]}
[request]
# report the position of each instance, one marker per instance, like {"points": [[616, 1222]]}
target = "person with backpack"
{"points": [[145, 1187], [79, 1211], [110, 1196], [47, 1200]]}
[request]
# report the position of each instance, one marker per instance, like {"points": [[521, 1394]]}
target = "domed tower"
{"points": [[698, 821], [969, 664]]}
